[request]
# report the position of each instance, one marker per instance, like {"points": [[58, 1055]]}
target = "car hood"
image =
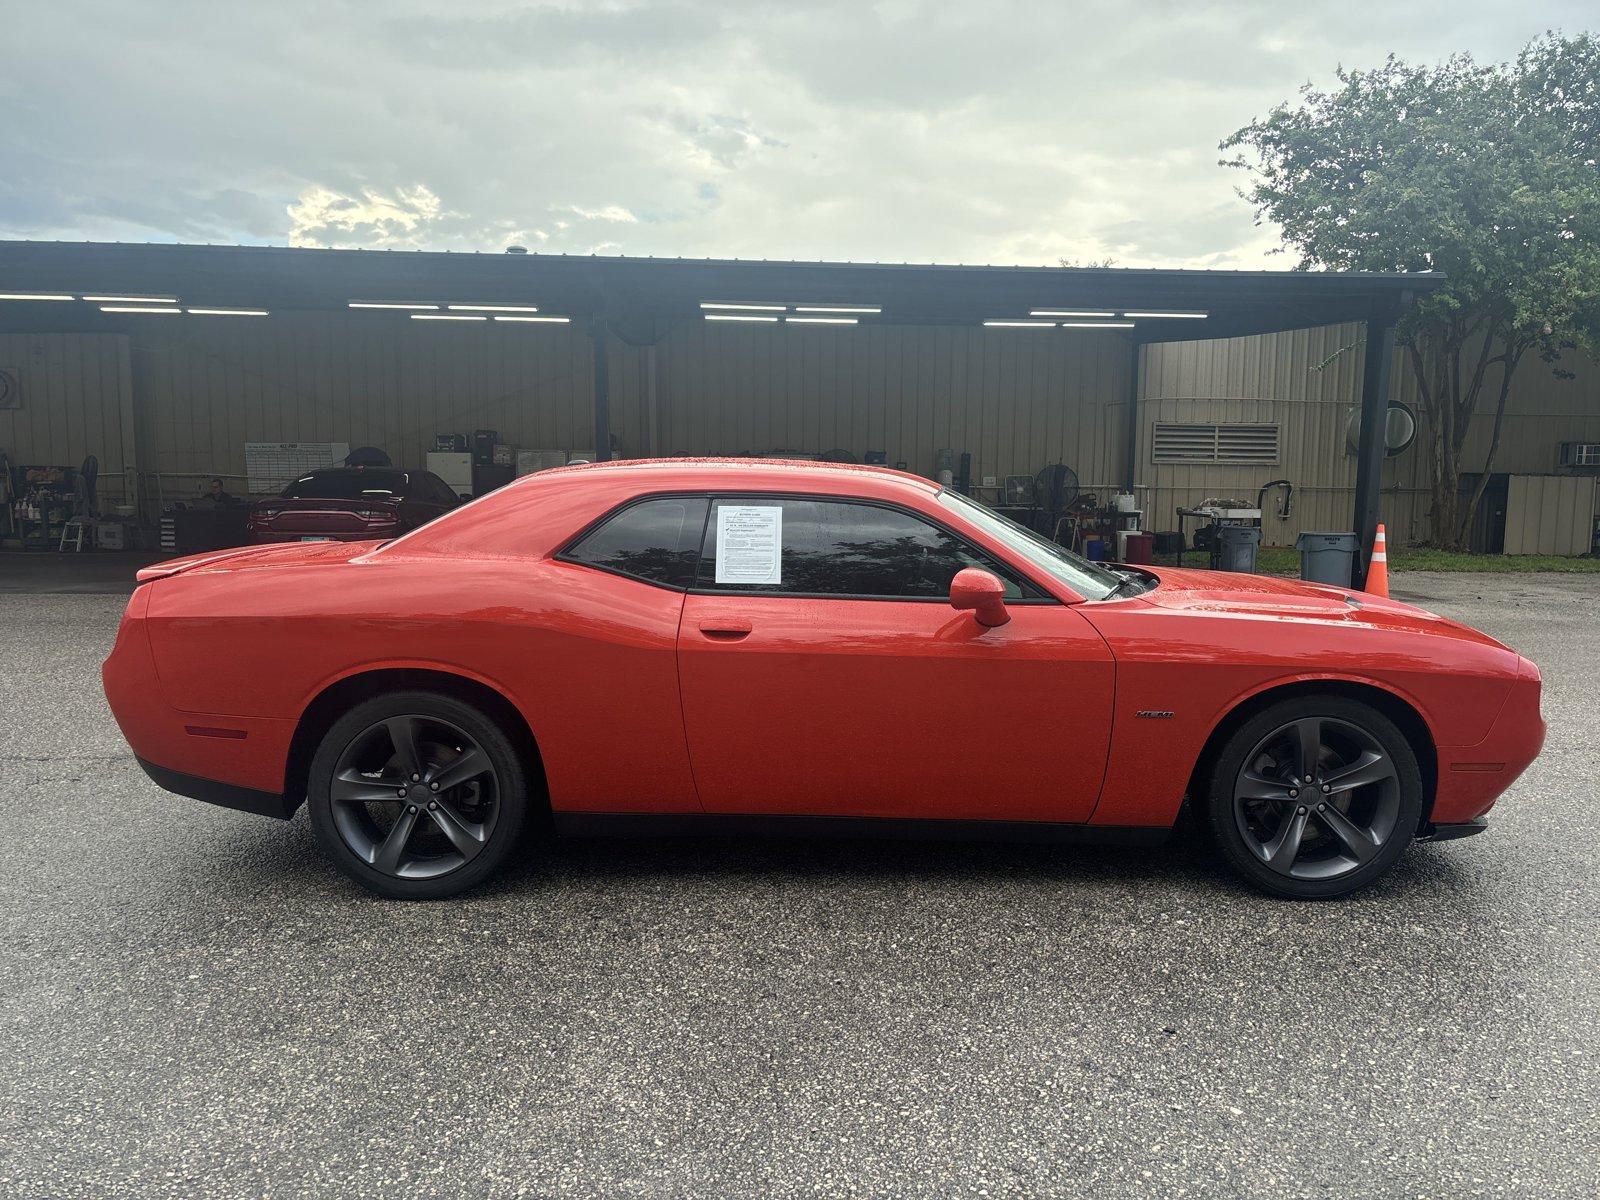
{"points": [[1266, 596]]}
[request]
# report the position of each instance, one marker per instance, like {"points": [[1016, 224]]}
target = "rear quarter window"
{"points": [[656, 541]]}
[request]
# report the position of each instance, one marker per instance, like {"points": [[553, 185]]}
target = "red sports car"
{"points": [[801, 646], [350, 504]]}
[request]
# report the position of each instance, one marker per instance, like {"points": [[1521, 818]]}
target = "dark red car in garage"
{"points": [[801, 646], [348, 504]]}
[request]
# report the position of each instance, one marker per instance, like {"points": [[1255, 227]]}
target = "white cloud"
{"points": [[611, 212], [323, 217], [1004, 131]]}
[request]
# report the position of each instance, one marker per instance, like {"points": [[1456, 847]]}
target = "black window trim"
{"points": [[1003, 568], [565, 553]]}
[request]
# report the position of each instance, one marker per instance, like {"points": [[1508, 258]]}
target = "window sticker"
{"points": [[749, 543]]}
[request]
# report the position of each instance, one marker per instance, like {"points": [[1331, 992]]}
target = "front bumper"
{"points": [[1432, 832], [1471, 778]]}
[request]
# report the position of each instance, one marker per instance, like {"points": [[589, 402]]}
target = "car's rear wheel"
{"points": [[417, 795], [1315, 797]]}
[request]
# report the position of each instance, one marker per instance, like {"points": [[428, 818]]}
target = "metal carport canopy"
{"points": [[636, 298], [1238, 302]]}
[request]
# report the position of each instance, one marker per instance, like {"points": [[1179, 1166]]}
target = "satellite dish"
{"points": [[1399, 430]]}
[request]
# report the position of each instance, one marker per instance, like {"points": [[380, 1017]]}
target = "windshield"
{"points": [[1079, 574], [351, 484]]}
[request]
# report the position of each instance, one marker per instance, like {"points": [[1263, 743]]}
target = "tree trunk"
{"points": [[1508, 363], [1438, 404]]}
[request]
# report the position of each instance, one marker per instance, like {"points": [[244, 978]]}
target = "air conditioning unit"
{"points": [[1580, 454]]}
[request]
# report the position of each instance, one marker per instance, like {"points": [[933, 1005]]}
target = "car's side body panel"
{"points": [[589, 659], [1180, 672], [839, 707], [832, 707]]}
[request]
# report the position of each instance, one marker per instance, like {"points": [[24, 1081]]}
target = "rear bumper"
{"points": [[1449, 833], [221, 753], [228, 795]]}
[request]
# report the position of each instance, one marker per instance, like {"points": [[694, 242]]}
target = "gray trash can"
{"points": [[1236, 548], [1327, 557]]}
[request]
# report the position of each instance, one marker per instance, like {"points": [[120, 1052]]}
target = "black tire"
{"points": [[1329, 836], [417, 795]]}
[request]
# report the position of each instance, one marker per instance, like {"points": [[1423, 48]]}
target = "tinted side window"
{"points": [[840, 549], [656, 540], [438, 492]]}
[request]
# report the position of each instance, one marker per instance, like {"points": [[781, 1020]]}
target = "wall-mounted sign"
{"points": [[10, 387]]}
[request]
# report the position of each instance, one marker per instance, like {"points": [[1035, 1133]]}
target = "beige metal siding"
{"points": [[1276, 377], [1550, 514], [76, 401], [1017, 400]]}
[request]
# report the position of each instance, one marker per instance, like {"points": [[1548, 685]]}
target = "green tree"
{"points": [[1487, 173]]}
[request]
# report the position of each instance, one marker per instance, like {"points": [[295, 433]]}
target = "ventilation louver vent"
{"points": [[1215, 443]]}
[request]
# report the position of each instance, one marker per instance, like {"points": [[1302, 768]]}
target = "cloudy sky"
{"points": [[970, 131]]}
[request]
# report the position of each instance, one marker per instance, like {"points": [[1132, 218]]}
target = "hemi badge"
{"points": [[1154, 714], [237, 735]]}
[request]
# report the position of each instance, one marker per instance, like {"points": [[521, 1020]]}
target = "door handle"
{"points": [[727, 629]]}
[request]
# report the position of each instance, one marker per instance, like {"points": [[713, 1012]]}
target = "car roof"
{"points": [[502, 517], [718, 469]]}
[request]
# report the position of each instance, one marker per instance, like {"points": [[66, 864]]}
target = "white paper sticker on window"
{"points": [[749, 543]]}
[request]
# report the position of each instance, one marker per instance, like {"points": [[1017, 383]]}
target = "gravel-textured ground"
{"points": [[193, 1004]]}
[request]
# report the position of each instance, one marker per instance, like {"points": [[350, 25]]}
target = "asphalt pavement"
{"points": [[193, 1003]]}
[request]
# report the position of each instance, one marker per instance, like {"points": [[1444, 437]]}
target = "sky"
{"points": [[889, 132]]}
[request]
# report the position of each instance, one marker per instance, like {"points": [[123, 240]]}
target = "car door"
{"points": [[842, 683]]}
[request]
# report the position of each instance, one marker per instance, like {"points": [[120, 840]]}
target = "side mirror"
{"points": [[981, 592]]}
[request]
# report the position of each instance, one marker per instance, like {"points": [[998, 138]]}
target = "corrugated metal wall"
{"points": [[1549, 514], [1276, 377], [1016, 399], [77, 399]]}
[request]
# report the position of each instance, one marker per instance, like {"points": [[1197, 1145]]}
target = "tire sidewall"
{"points": [[1224, 829], [511, 778]]}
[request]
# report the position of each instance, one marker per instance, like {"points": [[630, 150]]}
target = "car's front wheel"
{"points": [[1314, 797], [417, 795]]}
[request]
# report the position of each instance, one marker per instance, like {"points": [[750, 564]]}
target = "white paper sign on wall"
{"points": [[749, 544]]}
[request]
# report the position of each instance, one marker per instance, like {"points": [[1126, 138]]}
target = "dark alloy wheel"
{"points": [[416, 795], [1316, 797]]}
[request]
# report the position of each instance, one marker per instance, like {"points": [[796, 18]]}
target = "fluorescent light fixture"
{"points": [[1069, 312], [375, 304], [737, 317], [512, 308], [837, 308], [750, 307], [445, 317], [820, 320], [1186, 316], [538, 320], [131, 299], [1020, 324], [118, 308], [227, 312], [32, 296], [1097, 324]]}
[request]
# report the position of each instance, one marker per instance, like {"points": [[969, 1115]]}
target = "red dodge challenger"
{"points": [[645, 645]]}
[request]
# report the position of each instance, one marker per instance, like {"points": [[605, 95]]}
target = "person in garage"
{"points": [[216, 496]]}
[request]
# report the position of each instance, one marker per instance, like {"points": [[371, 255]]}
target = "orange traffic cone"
{"points": [[1378, 567]]}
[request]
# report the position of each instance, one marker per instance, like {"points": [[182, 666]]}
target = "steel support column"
{"points": [[1374, 424], [599, 334], [1130, 431]]}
